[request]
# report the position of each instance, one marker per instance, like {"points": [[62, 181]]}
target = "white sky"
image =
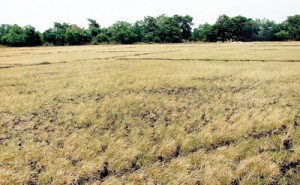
{"points": [[42, 13]]}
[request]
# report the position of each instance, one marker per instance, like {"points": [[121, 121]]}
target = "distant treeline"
{"points": [[161, 29]]}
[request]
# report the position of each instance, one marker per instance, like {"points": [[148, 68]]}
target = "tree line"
{"points": [[160, 29]]}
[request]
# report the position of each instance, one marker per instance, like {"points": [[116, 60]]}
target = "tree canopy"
{"points": [[14, 35], [160, 29]]}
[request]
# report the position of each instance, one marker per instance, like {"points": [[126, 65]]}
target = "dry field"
{"points": [[223, 113]]}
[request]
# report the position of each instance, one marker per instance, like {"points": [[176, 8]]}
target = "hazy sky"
{"points": [[42, 13]]}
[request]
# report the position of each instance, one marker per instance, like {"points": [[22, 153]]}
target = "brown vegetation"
{"points": [[85, 115]]}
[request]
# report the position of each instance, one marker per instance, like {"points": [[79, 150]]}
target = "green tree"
{"points": [[242, 29], [66, 34], [237, 28], [49, 37], [3, 29], [282, 35], [207, 33], [138, 30], [166, 29], [76, 36], [122, 33], [267, 30], [151, 30], [56, 35], [221, 28], [292, 26], [32, 37], [103, 37], [185, 23], [60, 33], [195, 35], [14, 36], [94, 28], [169, 30]]}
